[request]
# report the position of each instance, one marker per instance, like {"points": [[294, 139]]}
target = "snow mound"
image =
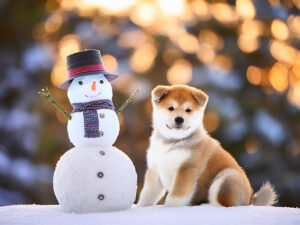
{"points": [[208, 215]]}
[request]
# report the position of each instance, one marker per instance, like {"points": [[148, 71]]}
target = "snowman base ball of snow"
{"points": [[107, 181]]}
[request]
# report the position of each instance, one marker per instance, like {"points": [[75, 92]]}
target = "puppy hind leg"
{"points": [[215, 189], [228, 190], [232, 194]]}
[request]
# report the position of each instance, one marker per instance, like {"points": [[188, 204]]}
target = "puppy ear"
{"points": [[159, 93], [200, 97]]}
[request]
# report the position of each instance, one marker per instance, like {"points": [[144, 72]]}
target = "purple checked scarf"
{"points": [[90, 116]]}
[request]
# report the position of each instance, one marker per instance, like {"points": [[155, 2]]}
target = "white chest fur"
{"points": [[108, 126], [166, 160]]}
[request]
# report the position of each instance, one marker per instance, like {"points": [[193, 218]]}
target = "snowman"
{"points": [[93, 176]]}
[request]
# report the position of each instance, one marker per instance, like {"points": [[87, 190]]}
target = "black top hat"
{"points": [[88, 62]]}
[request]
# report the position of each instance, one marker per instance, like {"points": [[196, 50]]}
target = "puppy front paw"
{"points": [[142, 204], [139, 205], [172, 201]]}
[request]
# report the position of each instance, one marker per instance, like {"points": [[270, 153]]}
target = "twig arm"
{"points": [[127, 101], [46, 94]]}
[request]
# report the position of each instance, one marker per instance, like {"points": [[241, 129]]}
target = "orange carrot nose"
{"points": [[94, 86]]}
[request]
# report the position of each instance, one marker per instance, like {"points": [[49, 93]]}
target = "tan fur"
{"points": [[149, 176], [190, 172], [208, 159]]}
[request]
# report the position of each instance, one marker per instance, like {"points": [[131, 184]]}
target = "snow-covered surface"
{"points": [[206, 215]]}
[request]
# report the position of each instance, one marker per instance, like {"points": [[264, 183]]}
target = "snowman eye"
{"points": [[80, 82], [101, 82]]}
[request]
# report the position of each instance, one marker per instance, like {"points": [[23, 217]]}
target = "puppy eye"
{"points": [[80, 82], [101, 82], [188, 110], [171, 108]]}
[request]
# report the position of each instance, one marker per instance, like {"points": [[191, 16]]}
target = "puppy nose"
{"points": [[94, 86], [179, 120]]}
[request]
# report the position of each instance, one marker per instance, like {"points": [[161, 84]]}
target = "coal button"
{"points": [[100, 174], [102, 153], [101, 197]]}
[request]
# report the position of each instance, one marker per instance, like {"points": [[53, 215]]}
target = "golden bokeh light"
{"points": [[201, 9], [278, 77], [172, 7], [188, 43], [133, 39], [143, 58], [173, 31], [297, 3], [294, 95], [255, 75], [187, 16], [144, 14], [171, 19], [180, 72], [211, 38], [68, 44], [283, 52], [247, 43], [224, 13], [296, 66], [252, 28], [111, 7], [110, 63], [275, 2], [170, 55], [70, 4], [279, 30], [294, 25], [245, 9], [53, 23], [206, 54], [58, 74], [223, 62], [293, 79], [126, 83], [211, 121]]}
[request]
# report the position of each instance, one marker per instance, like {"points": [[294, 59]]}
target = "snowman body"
{"points": [[94, 176], [94, 179], [108, 129]]}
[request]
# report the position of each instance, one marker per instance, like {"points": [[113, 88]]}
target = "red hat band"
{"points": [[84, 69]]}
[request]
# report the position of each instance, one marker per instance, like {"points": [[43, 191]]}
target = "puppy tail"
{"points": [[266, 196]]}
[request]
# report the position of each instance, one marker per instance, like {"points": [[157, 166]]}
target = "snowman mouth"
{"points": [[91, 96]]}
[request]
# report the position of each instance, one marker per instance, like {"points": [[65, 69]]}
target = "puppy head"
{"points": [[178, 110]]}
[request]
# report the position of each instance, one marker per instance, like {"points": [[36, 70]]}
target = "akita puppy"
{"points": [[189, 164]]}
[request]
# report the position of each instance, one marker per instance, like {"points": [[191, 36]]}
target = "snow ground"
{"points": [[205, 215]]}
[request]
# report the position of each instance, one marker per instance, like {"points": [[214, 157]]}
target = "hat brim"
{"points": [[108, 75]]}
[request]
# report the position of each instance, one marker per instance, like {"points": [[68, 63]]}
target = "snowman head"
{"points": [[89, 88]]}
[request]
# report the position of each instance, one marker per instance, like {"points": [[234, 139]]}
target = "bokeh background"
{"points": [[244, 54]]}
